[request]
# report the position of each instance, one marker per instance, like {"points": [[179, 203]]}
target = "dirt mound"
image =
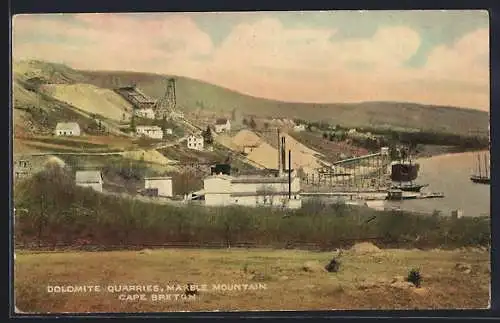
{"points": [[91, 99], [313, 267], [246, 138], [151, 156], [364, 247], [267, 155]]}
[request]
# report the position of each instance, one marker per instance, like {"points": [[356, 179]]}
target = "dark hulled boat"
{"points": [[481, 177], [410, 188], [403, 173]]}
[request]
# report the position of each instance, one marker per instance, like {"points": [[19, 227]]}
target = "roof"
{"points": [[283, 193], [88, 176], [251, 179], [221, 121], [259, 179], [67, 126], [220, 176], [148, 127], [157, 178]]}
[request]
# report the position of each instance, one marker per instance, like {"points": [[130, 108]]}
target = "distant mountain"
{"points": [[193, 94]]}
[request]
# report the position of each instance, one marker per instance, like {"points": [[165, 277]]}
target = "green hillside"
{"points": [[194, 94]]}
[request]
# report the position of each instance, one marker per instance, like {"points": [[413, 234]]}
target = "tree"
{"points": [[253, 124], [266, 125], [331, 137], [325, 135], [245, 121], [207, 136]]}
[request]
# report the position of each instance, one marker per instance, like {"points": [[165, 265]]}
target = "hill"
{"points": [[195, 95]]}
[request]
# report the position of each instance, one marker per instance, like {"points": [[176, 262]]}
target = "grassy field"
{"points": [[278, 276]]}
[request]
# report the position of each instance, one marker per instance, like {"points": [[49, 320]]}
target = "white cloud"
{"points": [[266, 59]]}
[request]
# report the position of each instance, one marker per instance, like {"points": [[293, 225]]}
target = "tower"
{"points": [[166, 105]]}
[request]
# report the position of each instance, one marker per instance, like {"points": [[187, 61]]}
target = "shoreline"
{"points": [[443, 151]]}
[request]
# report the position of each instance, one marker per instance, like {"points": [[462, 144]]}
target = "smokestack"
{"points": [[289, 174], [283, 153], [279, 152]]}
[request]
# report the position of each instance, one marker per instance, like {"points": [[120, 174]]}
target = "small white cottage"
{"points": [[195, 142], [222, 125], [67, 129]]}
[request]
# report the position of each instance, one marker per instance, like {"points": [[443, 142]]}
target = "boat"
{"points": [[404, 172], [399, 195], [481, 177], [412, 187], [432, 195]]}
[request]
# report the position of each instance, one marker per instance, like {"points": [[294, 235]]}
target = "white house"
{"points": [[195, 142], [148, 113], [89, 178], [223, 190], [162, 184], [154, 132], [169, 131], [222, 125], [67, 129], [300, 127]]}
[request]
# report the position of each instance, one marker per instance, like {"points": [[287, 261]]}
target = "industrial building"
{"points": [[224, 190], [147, 113], [135, 97], [154, 132], [67, 129], [159, 186], [88, 178]]}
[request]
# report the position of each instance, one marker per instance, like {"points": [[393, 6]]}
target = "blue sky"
{"points": [[441, 57]]}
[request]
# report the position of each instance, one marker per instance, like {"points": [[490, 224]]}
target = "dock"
{"points": [[395, 195]]}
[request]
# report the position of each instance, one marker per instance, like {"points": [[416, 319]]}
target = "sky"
{"points": [[436, 57]]}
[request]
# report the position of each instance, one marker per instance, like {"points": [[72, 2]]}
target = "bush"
{"points": [[61, 213], [414, 277]]}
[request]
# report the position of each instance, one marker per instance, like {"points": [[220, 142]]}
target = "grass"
{"points": [[80, 143], [55, 205], [288, 287]]}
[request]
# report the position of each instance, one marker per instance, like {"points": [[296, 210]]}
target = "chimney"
{"points": [[279, 153], [289, 174], [283, 153]]}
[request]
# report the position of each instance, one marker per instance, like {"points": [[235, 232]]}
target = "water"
{"points": [[450, 174]]}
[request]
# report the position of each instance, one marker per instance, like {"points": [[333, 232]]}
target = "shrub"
{"points": [[414, 277]]}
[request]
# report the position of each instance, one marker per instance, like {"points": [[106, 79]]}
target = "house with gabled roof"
{"points": [[222, 125], [67, 129]]}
